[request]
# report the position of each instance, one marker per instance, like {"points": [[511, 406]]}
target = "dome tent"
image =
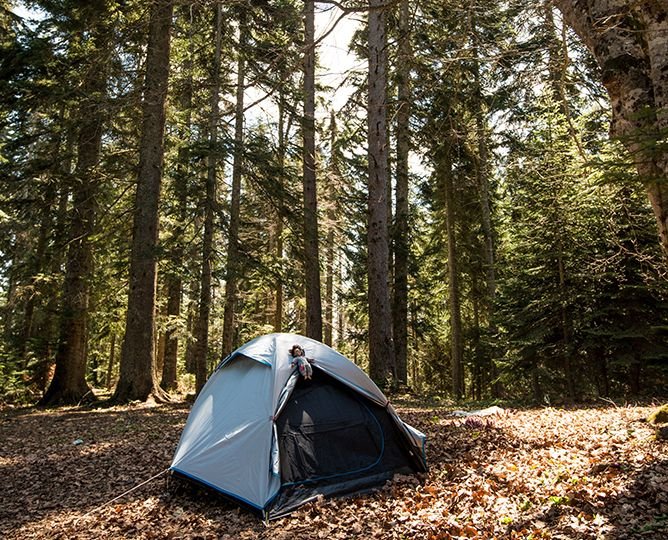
{"points": [[266, 437]]}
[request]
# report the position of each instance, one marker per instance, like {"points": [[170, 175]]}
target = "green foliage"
{"points": [[577, 294], [579, 302]]}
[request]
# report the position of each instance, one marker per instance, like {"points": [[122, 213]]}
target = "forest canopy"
{"points": [[477, 209]]}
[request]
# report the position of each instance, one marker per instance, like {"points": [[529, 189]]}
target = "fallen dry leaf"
{"points": [[549, 473]]}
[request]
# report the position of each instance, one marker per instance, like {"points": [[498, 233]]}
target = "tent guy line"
{"points": [[272, 440], [104, 505]]}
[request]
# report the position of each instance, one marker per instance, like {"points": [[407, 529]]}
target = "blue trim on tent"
{"points": [[273, 497], [208, 484], [356, 471]]}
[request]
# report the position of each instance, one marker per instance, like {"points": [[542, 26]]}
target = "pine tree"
{"points": [[202, 327], [69, 382], [311, 238], [381, 350], [137, 371]]}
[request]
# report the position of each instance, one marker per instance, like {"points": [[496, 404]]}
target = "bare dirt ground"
{"points": [[548, 473]]}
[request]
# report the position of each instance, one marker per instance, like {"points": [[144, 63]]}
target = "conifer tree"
{"points": [[381, 349], [137, 371], [311, 244], [69, 382]]}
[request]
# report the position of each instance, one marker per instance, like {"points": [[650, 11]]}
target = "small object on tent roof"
{"points": [[300, 360], [489, 411], [259, 433]]}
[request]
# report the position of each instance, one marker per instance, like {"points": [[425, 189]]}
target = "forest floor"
{"points": [[587, 472]]}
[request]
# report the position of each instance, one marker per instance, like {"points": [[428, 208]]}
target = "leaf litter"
{"points": [[547, 473]]}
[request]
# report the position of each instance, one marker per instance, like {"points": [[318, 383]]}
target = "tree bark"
{"points": [[457, 343], [69, 384], [340, 311], [629, 41], [278, 230], [168, 380], [160, 338], [481, 162], [138, 379], [232, 273], [330, 250], [48, 327], [381, 348], [112, 360], [401, 232], [311, 250], [566, 325], [174, 278], [192, 308], [202, 329], [37, 264]]}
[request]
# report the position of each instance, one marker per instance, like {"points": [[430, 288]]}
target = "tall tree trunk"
{"points": [[457, 343], [112, 360], [477, 373], [311, 256], [278, 221], [168, 380], [48, 327], [329, 282], [69, 385], [192, 308], [277, 321], [233, 267], [43, 257], [381, 348], [628, 40], [330, 250], [160, 338], [566, 324], [558, 61], [137, 371], [482, 179], [556, 75], [340, 311], [38, 260], [183, 177], [401, 232], [202, 328]]}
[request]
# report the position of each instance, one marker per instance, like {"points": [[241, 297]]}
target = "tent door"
{"points": [[326, 431]]}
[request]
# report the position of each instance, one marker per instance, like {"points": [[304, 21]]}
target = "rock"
{"points": [[489, 411], [659, 416]]}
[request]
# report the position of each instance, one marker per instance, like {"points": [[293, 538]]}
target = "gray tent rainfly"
{"points": [[272, 440]]}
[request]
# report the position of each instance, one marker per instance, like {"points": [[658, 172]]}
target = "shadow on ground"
{"points": [[580, 473]]}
